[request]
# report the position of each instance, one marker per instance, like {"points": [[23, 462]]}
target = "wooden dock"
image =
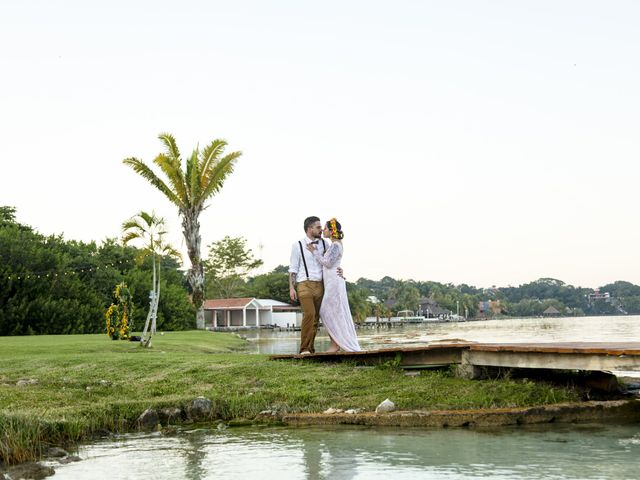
{"points": [[471, 357]]}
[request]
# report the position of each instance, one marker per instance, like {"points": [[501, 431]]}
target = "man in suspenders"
{"points": [[306, 273]]}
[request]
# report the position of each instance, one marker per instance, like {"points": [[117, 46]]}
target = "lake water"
{"points": [[574, 329], [526, 452]]}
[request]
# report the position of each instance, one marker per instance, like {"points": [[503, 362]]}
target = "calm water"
{"points": [[585, 329], [551, 452]]}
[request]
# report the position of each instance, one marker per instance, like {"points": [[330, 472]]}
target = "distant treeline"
{"points": [[52, 285], [530, 299]]}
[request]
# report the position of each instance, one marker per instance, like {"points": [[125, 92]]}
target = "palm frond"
{"points": [[168, 251], [145, 172], [129, 236], [217, 174], [210, 154], [193, 175], [170, 144], [148, 227], [132, 224], [173, 171]]}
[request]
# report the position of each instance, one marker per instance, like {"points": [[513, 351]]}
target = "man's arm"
{"points": [[292, 286]]}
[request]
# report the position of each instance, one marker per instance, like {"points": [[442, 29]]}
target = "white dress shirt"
{"points": [[297, 266]]}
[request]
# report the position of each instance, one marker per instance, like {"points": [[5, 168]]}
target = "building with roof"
{"points": [[489, 307], [233, 313], [430, 309], [551, 312]]}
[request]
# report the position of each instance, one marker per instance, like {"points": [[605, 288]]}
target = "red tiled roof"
{"points": [[227, 303]]}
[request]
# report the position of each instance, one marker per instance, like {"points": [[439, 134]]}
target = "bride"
{"points": [[334, 310]]}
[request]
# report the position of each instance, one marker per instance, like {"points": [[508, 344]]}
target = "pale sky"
{"points": [[489, 143]]}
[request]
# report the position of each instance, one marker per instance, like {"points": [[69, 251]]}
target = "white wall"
{"points": [[281, 319]]}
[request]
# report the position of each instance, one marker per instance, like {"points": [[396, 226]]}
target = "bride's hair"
{"points": [[335, 228]]}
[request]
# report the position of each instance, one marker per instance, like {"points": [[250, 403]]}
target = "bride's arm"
{"points": [[330, 258]]}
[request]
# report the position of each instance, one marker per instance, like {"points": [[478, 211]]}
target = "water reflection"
{"points": [[563, 452]]}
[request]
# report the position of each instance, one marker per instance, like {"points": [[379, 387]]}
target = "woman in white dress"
{"points": [[334, 310]]}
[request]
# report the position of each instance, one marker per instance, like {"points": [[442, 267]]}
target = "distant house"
{"points": [[429, 308], [249, 313], [551, 312], [489, 307], [598, 296], [373, 299]]}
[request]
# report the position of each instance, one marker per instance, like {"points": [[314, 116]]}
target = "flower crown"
{"points": [[335, 233]]}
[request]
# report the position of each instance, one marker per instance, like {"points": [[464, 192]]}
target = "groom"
{"points": [[306, 273]]}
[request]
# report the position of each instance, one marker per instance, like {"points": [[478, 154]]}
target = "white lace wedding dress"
{"points": [[334, 310]]}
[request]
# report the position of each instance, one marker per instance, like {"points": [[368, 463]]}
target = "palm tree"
{"points": [[188, 189], [149, 228]]}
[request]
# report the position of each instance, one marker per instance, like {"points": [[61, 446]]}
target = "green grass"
{"points": [[88, 383]]}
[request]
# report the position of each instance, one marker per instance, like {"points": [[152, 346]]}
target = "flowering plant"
{"points": [[118, 314]]}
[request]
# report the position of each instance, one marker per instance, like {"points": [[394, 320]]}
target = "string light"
{"points": [[76, 271]]}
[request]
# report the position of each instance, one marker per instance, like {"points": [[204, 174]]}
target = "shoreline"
{"points": [[581, 412], [603, 412]]}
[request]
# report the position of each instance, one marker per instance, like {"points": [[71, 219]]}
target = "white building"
{"points": [[250, 313]]}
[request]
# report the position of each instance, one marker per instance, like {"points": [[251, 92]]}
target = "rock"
{"points": [[148, 420], [57, 452], [69, 459], [331, 411], [29, 471], [222, 426], [168, 415], [243, 422], [105, 383], [602, 381], [412, 373], [386, 407], [24, 383], [200, 408], [352, 411]]}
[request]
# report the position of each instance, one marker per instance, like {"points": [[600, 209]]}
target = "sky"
{"points": [[479, 142]]}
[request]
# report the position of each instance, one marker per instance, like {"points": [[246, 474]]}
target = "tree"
{"points": [[150, 229], [227, 266], [189, 189], [358, 303], [407, 296], [273, 285]]}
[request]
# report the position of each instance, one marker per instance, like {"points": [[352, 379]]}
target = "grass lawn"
{"points": [[87, 383]]}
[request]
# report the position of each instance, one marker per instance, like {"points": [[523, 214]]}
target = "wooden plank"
{"points": [[558, 355], [602, 348], [550, 360], [366, 353]]}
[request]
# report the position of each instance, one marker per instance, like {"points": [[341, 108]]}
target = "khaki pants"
{"points": [[310, 295]]}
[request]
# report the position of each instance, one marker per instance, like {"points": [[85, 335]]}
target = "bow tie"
{"points": [[314, 243]]}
